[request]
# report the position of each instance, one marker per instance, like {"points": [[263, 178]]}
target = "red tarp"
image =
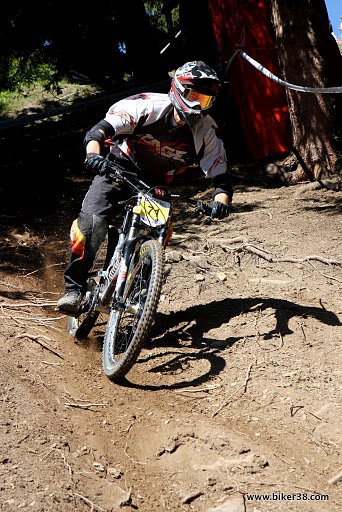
{"points": [[261, 103]]}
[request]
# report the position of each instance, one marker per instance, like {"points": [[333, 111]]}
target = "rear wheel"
{"points": [[128, 327], [79, 327]]}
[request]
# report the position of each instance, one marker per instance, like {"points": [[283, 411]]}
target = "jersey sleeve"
{"points": [[125, 114], [210, 148]]}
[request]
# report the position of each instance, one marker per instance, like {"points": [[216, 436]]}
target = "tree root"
{"points": [[266, 255]]}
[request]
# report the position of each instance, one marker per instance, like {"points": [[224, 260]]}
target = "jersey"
{"points": [[146, 133]]}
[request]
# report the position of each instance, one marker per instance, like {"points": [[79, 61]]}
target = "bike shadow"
{"points": [[187, 329]]}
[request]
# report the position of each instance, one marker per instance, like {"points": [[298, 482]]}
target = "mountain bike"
{"points": [[126, 281]]}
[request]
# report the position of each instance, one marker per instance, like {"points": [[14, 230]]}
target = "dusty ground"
{"points": [[238, 392]]}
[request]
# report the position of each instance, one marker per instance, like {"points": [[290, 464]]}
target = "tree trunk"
{"points": [[309, 56]]}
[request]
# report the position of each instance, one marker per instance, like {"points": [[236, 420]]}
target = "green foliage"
{"points": [[22, 71], [31, 38], [175, 19], [20, 75], [154, 9], [38, 97], [9, 101]]}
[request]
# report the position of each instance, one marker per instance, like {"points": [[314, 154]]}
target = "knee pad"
{"points": [[77, 240], [87, 233]]}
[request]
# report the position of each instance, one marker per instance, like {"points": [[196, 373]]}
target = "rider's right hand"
{"points": [[95, 162]]}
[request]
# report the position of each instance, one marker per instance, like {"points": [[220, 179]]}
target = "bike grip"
{"points": [[104, 172], [203, 207]]}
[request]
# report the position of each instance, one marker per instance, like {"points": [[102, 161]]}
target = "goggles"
{"points": [[193, 98]]}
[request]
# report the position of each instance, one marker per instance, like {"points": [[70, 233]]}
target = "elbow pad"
{"points": [[95, 134], [222, 185]]}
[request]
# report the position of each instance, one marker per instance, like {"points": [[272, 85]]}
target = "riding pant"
{"points": [[89, 230]]}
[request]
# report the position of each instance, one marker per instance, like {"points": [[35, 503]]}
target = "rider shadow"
{"points": [[188, 329]]}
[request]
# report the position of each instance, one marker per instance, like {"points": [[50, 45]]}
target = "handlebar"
{"points": [[118, 170], [200, 206], [120, 173]]}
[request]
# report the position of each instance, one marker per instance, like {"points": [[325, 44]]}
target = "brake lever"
{"points": [[115, 177], [118, 168], [202, 207], [130, 174]]}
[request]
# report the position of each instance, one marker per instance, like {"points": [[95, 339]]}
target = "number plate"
{"points": [[154, 212]]}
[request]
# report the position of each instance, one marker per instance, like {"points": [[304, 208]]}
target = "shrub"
{"points": [[19, 72]]}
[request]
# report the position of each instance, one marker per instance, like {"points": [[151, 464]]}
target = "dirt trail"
{"points": [[237, 393]]}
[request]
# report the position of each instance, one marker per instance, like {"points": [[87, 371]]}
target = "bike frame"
{"points": [[148, 219], [133, 240]]}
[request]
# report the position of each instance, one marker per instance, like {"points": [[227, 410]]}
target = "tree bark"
{"points": [[308, 55]]}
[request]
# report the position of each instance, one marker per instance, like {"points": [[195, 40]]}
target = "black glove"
{"points": [[218, 210], [95, 162]]}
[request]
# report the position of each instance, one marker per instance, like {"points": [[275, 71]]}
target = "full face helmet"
{"points": [[193, 90]]}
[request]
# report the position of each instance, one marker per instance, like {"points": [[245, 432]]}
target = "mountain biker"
{"points": [[161, 134]]}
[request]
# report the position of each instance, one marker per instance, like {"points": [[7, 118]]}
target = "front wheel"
{"points": [[129, 326]]}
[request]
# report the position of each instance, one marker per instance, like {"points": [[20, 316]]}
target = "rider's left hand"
{"points": [[218, 210]]}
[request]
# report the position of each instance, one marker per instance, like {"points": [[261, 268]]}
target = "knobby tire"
{"points": [[126, 332]]}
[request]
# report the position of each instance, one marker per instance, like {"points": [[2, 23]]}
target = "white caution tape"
{"points": [[266, 72], [168, 44]]}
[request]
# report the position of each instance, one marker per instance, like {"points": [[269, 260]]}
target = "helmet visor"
{"points": [[193, 97]]}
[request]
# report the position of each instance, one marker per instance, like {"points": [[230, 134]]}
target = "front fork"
{"points": [[132, 247], [117, 285]]}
